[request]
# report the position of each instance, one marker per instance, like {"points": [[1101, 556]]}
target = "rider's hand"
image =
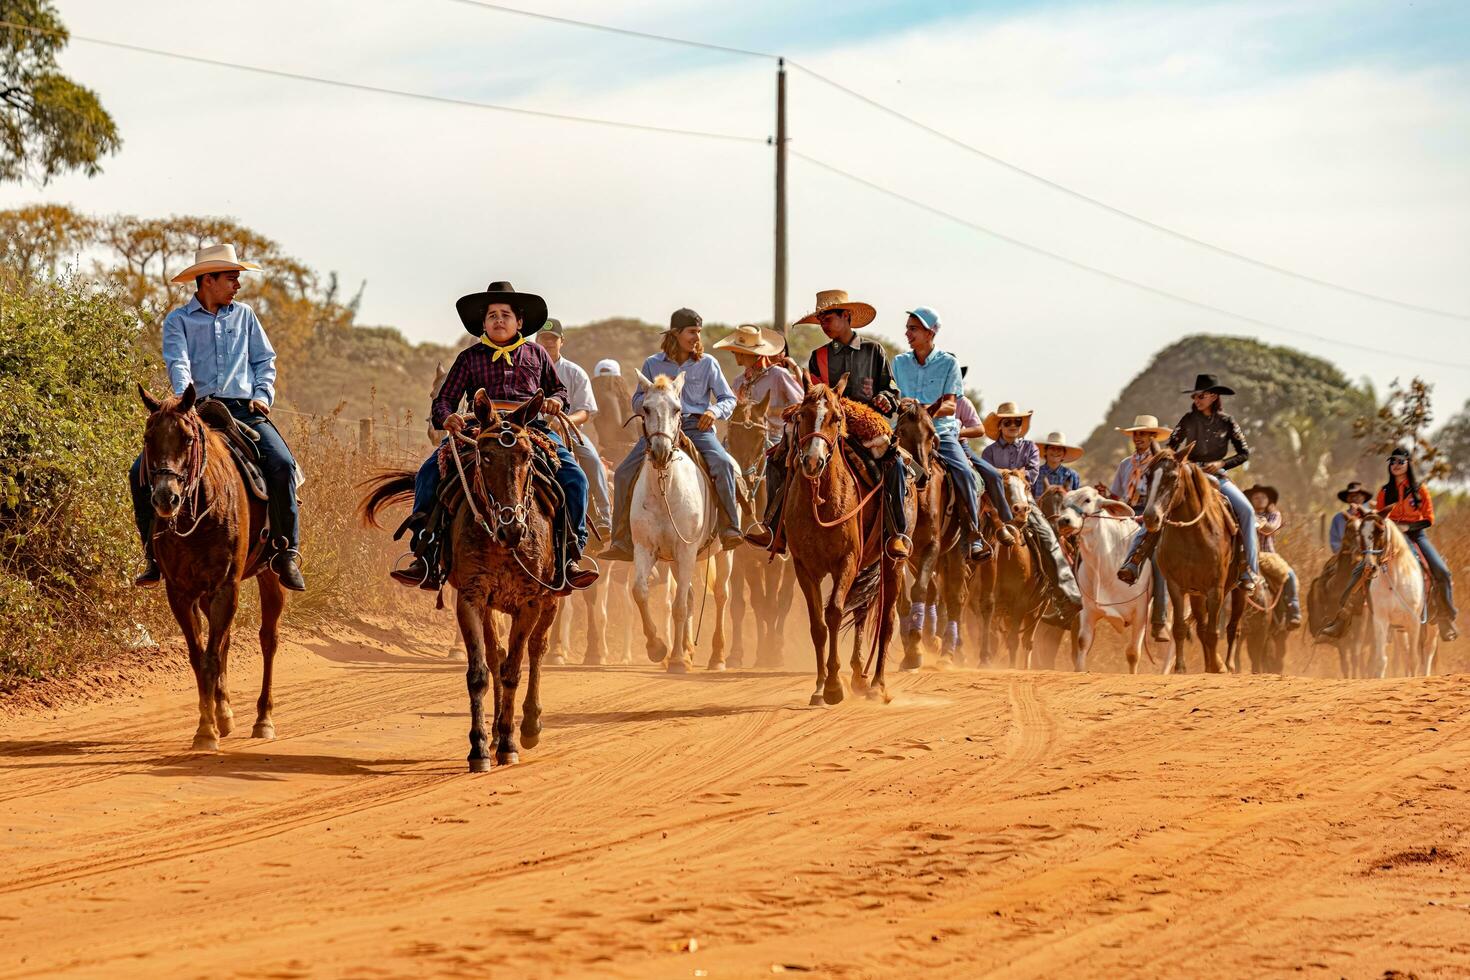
{"points": [[453, 423], [551, 406], [883, 404], [1212, 468], [706, 421], [258, 407]]}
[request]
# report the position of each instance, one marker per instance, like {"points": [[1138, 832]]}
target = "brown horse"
{"points": [[207, 538], [510, 567], [1047, 637], [937, 558], [768, 584], [1019, 592], [1196, 550], [834, 527], [1326, 592]]}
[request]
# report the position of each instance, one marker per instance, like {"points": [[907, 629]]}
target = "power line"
{"points": [[983, 154], [1112, 276], [380, 90]]}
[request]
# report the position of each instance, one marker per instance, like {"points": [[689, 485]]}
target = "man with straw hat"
{"points": [[1056, 453], [1130, 485], [869, 381], [219, 346], [1011, 450]]}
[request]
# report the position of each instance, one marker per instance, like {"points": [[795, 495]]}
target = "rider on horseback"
{"points": [[764, 378], [869, 382], [1407, 504], [1130, 485], [1056, 453], [1212, 434], [511, 370], [220, 347], [1011, 450], [932, 376], [1354, 497], [1268, 524], [705, 399]]}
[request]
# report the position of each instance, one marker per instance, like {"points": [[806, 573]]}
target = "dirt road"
{"points": [[1036, 824]]}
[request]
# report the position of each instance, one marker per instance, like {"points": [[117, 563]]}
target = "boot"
{"points": [[151, 575], [1447, 631], [897, 547], [1133, 565], [980, 548], [580, 578], [287, 566]]}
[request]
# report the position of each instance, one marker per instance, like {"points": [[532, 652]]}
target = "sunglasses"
{"points": [[1010, 423], [1398, 462]]}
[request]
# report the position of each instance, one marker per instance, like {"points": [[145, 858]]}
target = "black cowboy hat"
{"points": [[1352, 488], [1208, 383], [1399, 452], [528, 306], [1270, 492]]}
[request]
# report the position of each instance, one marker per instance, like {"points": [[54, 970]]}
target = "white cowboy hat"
{"points": [[1060, 441], [607, 367], [1145, 423], [215, 258], [750, 339], [861, 314], [1007, 410]]}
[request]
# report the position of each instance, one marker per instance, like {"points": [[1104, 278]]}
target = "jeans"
{"points": [[276, 464], [569, 477], [721, 466], [994, 488], [1245, 516], [1438, 569], [1159, 603], [961, 475], [597, 493]]}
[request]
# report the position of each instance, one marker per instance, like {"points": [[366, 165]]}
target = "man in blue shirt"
{"points": [[219, 346], [707, 398], [1054, 472], [932, 377]]}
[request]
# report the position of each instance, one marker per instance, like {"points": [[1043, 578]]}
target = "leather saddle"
{"points": [[241, 439]]}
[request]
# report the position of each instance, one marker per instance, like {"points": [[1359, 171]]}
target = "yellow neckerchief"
{"points": [[501, 352]]}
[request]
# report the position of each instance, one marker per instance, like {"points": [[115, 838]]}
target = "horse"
{"points": [[615, 410], [1103, 529], [1018, 595], [835, 529], [501, 537], [1048, 636], [938, 547], [769, 584], [1263, 624], [1398, 597], [595, 607], [195, 480], [1196, 551], [674, 516], [1325, 594]]}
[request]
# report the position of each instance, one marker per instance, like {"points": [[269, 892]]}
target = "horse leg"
{"points": [[741, 578], [643, 566], [510, 679], [1086, 633], [543, 611], [474, 622], [887, 616], [1178, 631], [595, 599], [272, 602], [221, 612], [186, 612], [720, 565], [224, 715], [681, 619], [782, 583], [811, 590], [561, 635], [1232, 632], [1209, 632]]}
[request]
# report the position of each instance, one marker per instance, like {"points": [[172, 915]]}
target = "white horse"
{"points": [[1398, 598], [674, 514], [1104, 529]]}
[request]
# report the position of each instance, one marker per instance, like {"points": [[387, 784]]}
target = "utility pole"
{"points": [[779, 315]]}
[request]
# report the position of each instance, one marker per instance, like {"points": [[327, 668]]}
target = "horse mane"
{"points": [[662, 383]]}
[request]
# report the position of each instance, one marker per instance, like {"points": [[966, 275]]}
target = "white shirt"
{"points": [[579, 388]]}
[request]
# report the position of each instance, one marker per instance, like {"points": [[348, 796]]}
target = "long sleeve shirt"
{"points": [[705, 387], [865, 363], [1268, 525], [1063, 476], [579, 387], [774, 383], [1130, 483], [1337, 530], [1405, 510], [1212, 435], [1019, 455], [938, 376], [225, 354], [527, 370]]}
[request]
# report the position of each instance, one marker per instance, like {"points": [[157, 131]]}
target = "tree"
{"points": [[49, 125], [1403, 421], [1453, 441], [35, 242]]}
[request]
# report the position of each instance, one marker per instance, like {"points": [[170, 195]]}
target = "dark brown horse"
{"points": [[1047, 637], [207, 540], [504, 560], [834, 527], [1196, 550], [1019, 592], [1325, 594], [763, 586], [937, 560]]}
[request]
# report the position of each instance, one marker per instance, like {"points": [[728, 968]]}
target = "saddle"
{"points": [[241, 439]]}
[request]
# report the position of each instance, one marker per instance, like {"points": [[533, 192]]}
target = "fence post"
{"points": [[365, 436]]}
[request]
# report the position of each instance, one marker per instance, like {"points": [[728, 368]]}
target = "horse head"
{"points": [[747, 434], [820, 423], [916, 432], [503, 469], [1018, 494], [662, 413], [173, 449], [1375, 537], [1164, 484]]}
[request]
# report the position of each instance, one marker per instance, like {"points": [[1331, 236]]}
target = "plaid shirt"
{"points": [[530, 370]]}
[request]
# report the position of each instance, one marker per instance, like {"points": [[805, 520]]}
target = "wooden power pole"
{"points": [[779, 314]]}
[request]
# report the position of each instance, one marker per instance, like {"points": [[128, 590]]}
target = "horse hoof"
{"points": [[877, 694], [204, 743], [225, 724], [715, 665], [832, 695], [859, 685], [263, 729], [815, 701], [556, 660], [481, 764], [529, 740], [678, 667], [657, 651], [507, 758], [592, 660], [911, 664]]}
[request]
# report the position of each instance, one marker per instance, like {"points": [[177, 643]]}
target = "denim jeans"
{"points": [[721, 465]]}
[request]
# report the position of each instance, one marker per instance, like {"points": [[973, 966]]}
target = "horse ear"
{"points": [[527, 410], [484, 409], [149, 402], [1184, 451], [841, 385], [763, 406], [806, 381], [642, 381], [186, 400], [679, 384]]}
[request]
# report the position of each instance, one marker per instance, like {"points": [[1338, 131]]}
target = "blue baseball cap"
{"points": [[927, 316]]}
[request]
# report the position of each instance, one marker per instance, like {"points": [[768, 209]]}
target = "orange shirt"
{"points": [[1403, 510]]}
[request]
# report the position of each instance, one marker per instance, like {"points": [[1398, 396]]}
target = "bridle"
{"points": [[1157, 479], [191, 483], [513, 515]]}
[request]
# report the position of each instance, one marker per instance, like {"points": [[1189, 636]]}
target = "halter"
{"points": [[1174, 501], [192, 484]]}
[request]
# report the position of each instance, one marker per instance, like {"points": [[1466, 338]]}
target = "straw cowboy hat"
{"points": [[1145, 423], [1210, 384], [1352, 488], [836, 299], [528, 306], [1007, 410], [215, 258], [1270, 492], [750, 339], [1060, 441]]}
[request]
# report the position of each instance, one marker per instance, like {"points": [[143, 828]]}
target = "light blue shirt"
{"points": [[705, 387], [225, 354], [938, 376]]}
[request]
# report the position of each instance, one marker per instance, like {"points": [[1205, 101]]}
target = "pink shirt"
{"points": [[964, 411]]}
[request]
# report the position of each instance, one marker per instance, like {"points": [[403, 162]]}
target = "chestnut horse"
{"points": [[1019, 593], [510, 567], [763, 586], [207, 539], [1196, 551], [835, 528]]}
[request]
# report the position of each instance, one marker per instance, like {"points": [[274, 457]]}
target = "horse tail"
{"points": [[862, 597], [383, 490]]}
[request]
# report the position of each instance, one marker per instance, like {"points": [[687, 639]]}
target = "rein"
{"points": [[519, 509], [193, 481]]}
